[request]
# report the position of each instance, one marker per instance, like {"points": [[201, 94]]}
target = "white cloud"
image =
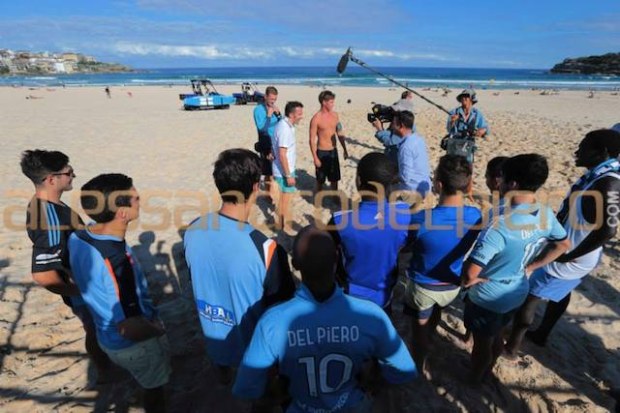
{"points": [[208, 52], [214, 52]]}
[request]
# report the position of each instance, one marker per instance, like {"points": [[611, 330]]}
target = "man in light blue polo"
{"points": [[505, 254], [413, 165], [321, 338]]}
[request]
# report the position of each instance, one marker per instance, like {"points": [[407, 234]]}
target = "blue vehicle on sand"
{"points": [[205, 96], [249, 94]]}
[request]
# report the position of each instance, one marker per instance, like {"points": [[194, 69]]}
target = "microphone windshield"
{"points": [[342, 64]]}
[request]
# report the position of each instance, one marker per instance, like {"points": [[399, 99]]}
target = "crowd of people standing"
{"points": [[320, 343]]}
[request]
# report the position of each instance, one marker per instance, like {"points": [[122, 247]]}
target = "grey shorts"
{"points": [[422, 300], [147, 361]]}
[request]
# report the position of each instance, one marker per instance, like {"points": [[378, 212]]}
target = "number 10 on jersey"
{"points": [[330, 360]]}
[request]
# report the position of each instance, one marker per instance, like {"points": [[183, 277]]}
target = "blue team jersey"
{"points": [[440, 238], [111, 283], [236, 272], [505, 248], [370, 238], [320, 347]]}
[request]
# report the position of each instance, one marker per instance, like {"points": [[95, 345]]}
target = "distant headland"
{"points": [[607, 64], [44, 63]]}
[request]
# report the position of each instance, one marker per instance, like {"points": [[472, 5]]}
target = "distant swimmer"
{"points": [[320, 341], [325, 126]]}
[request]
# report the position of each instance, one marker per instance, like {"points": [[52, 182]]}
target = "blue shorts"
{"points": [[485, 322], [548, 287], [283, 185]]}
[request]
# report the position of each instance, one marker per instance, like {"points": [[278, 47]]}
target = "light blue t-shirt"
{"points": [[505, 248], [111, 283], [236, 273], [413, 166], [321, 347]]}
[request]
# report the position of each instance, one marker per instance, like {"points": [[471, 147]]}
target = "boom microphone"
{"points": [[342, 64]]}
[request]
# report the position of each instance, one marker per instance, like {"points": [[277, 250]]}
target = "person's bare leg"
{"points": [[434, 320], [523, 319], [481, 357], [553, 313], [98, 356], [420, 343], [283, 211], [269, 188]]}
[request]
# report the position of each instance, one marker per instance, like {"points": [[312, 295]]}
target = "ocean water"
{"points": [[327, 76]]}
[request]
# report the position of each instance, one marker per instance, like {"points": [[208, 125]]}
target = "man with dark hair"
{"points": [[493, 173], [505, 254], [320, 339], [285, 157], [325, 126], [587, 232], [236, 271], [439, 239], [49, 224], [413, 164], [371, 234], [115, 289], [266, 116]]}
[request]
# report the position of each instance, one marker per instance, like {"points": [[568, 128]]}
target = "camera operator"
{"points": [[387, 137], [412, 156], [467, 121]]}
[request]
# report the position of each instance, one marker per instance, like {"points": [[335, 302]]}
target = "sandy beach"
{"points": [[144, 133]]}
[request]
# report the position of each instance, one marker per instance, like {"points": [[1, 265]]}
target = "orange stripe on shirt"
{"points": [[113, 276], [270, 253]]}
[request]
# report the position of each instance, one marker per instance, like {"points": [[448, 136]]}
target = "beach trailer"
{"points": [[249, 94], [205, 96]]}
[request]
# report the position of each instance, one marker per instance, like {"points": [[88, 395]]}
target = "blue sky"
{"points": [[220, 33]]}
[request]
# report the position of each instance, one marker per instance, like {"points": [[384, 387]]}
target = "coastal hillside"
{"points": [[607, 64], [43, 63]]}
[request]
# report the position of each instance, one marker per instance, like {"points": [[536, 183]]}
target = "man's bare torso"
{"points": [[326, 129]]}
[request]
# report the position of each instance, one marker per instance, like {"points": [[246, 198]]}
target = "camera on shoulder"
{"points": [[384, 113]]}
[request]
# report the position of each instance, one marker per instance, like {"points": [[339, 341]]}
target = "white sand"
{"points": [[170, 155]]}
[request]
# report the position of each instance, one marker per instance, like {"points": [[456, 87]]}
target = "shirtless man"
{"points": [[324, 127]]}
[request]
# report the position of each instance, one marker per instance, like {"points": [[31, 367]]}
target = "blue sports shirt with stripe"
{"points": [[49, 226], [111, 282], [236, 273]]}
